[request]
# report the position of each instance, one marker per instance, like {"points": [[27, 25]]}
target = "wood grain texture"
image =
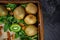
{"points": [[18, 0], [41, 25]]}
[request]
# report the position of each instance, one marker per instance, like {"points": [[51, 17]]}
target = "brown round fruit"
{"points": [[19, 13], [31, 30], [3, 11], [30, 19], [31, 8]]}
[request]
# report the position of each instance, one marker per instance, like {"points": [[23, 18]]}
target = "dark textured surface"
{"points": [[51, 12]]}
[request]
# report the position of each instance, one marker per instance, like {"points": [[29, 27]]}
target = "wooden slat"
{"points": [[3, 0], [18, 0], [41, 25]]}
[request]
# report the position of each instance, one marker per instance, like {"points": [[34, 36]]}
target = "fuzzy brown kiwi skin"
{"points": [[30, 19], [31, 30], [3, 11], [19, 13], [31, 8]]}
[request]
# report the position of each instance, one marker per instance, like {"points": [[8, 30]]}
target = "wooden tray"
{"points": [[40, 16]]}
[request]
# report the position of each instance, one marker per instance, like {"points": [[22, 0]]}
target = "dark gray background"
{"points": [[51, 13]]}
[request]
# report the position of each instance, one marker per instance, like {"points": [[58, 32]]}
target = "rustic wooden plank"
{"points": [[18, 0]]}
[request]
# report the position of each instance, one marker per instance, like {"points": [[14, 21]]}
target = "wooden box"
{"points": [[40, 16]]}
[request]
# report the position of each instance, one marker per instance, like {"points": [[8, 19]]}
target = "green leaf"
{"points": [[29, 38], [10, 18], [2, 18], [14, 20], [1, 22], [6, 27], [16, 35], [23, 36], [35, 37], [21, 33], [12, 6], [23, 5], [26, 38], [21, 21], [17, 20]]}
